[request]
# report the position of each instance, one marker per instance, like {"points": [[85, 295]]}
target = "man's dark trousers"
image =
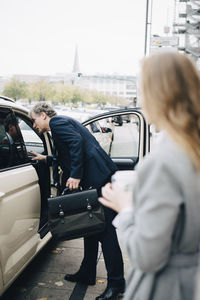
{"points": [[111, 251]]}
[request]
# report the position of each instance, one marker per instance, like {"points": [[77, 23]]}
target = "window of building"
{"points": [[130, 87], [130, 93]]}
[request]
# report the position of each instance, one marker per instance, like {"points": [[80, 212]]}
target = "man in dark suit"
{"points": [[84, 163]]}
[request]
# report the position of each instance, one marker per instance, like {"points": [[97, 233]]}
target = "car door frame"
{"points": [[47, 144], [144, 133]]}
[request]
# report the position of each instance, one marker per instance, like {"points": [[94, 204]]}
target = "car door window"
{"points": [[125, 136], [31, 140], [118, 135], [12, 151], [4, 148]]}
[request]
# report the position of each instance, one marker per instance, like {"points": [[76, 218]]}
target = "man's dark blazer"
{"points": [[79, 154]]}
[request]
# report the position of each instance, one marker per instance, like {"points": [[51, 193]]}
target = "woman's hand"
{"points": [[37, 156], [116, 198]]}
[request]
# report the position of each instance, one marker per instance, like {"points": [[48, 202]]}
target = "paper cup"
{"points": [[124, 180]]}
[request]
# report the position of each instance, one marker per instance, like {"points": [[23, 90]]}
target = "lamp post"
{"points": [[147, 23]]}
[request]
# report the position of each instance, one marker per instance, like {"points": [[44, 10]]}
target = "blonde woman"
{"points": [[160, 228]]}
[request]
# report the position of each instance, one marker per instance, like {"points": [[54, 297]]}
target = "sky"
{"points": [[40, 36]]}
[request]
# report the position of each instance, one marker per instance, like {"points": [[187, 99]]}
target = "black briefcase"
{"points": [[76, 214]]}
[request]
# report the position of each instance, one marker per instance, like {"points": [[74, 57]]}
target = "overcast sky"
{"points": [[40, 36]]}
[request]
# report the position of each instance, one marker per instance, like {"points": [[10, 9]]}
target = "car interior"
{"points": [[35, 142]]}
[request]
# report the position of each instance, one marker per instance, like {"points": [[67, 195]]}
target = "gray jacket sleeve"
{"points": [[146, 233]]}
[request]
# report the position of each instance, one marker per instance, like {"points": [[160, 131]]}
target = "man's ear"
{"points": [[43, 115]]}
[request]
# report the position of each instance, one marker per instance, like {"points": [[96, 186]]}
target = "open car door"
{"points": [[123, 134]]}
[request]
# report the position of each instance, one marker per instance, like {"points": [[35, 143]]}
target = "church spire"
{"points": [[76, 68]]}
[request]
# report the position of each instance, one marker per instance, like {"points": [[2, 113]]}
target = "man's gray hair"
{"points": [[43, 107]]}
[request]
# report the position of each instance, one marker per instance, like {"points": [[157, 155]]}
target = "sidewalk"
{"points": [[43, 279]]}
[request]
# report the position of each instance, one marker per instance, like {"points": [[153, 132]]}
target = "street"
{"points": [[126, 140]]}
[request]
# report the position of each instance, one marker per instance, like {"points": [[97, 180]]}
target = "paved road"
{"points": [[43, 279], [126, 140]]}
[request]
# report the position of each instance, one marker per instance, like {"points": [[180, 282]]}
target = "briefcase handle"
{"points": [[67, 191]]}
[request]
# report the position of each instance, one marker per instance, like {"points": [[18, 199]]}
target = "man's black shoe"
{"points": [[79, 278], [110, 293]]}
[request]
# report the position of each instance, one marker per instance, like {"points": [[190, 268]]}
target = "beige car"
{"points": [[23, 192], [25, 185]]}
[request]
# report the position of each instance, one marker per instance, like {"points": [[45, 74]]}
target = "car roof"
{"points": [[9, 102]]}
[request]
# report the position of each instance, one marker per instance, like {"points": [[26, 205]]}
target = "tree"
{"points": [[41, 91], [100, 98], [15, 89], [63, 93], [77, 96], [87, 97]]}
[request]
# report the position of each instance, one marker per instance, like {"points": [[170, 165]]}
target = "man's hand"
{"points": [[72, 183], [37, 156]]}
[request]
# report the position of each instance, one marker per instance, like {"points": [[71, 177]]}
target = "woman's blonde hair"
{"points": [[170, 88]]}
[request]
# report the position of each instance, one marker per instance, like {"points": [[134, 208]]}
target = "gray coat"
{"points": [[162, 234]]}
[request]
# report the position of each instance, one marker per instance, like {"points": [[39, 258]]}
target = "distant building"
{"points": [[76, 67], [3, 81], [122, 86], [113, 85], [187, 27], [34, 78]]}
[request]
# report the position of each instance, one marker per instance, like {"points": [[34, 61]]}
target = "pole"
{"points": [[148, 23], [146, 27]]}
